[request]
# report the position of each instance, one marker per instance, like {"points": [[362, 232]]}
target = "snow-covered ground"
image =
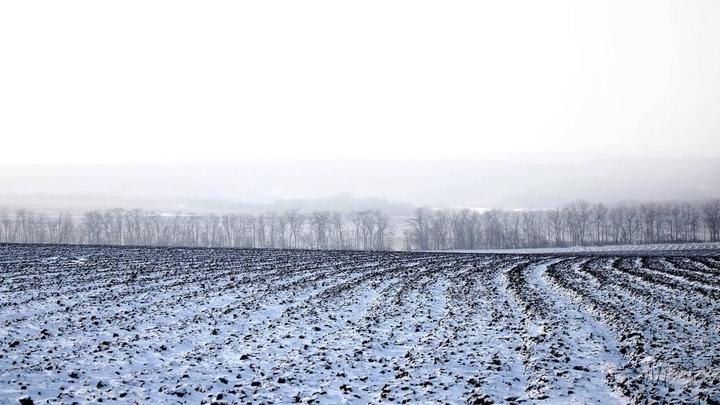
{"points": [[694, 248], [89, 324]]}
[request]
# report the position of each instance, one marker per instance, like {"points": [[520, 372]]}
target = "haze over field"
{"points": [[478, 104], [254, 186]]}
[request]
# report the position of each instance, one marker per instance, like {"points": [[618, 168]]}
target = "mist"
{"points": [[517, 183], [249, 106]]}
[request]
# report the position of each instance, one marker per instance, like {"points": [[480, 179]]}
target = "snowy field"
{"points": [[653, 249], [89, 324]]}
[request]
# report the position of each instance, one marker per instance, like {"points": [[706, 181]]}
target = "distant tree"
{"points": [[295, 221], [420, 228], [711, 209], [600, 212], [556, 221], [320, 225], [338, 230], [382, 230], [6, 224]]}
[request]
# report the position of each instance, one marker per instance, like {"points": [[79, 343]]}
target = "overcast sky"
{"points": [[176, 81]]}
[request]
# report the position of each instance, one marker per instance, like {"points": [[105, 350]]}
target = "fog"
{"points": [[254, 186], [516, 104]]}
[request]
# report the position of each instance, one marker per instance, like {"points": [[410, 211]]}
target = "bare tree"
{"points": [[577, 217], [711, 209], [557, 222], [295, 221], [6, 223], [600, 212], [382, 229], [320, 223], [420, 228], [338, 229]]}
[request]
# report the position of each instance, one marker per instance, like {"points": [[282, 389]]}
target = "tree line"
{"points": [[579, 223], [364, 229]]}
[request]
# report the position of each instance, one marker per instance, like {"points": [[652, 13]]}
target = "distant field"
{"points": [[149, 325], [644, 250]]}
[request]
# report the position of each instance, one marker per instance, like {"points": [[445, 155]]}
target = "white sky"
{"points": [[128, 81]]}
